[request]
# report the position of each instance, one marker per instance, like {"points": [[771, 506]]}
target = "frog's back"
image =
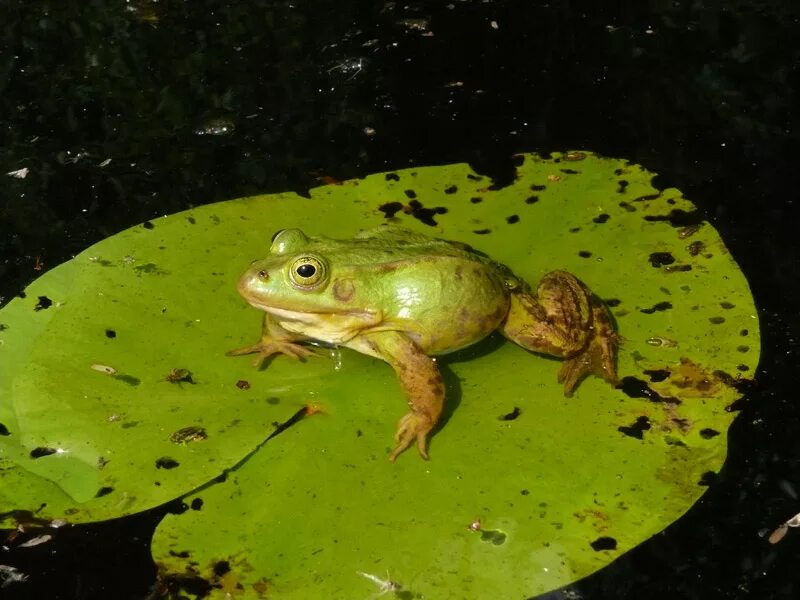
{"points": [[386, 244]]}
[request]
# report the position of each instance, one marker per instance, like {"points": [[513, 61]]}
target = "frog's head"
{"points": [[301, 275], [289, 278]]}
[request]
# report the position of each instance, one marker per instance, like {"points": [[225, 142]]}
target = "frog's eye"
{"points": [[307, 271]]}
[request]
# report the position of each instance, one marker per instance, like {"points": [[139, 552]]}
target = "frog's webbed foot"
{"points": [[269, 347], [413, 426], [597, 358], [275, 340]]}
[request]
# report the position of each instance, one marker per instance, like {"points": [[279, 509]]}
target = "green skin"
{"points": [[403, 297]]}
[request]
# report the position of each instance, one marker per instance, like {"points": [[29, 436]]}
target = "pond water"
{"points": [[115, 113]]}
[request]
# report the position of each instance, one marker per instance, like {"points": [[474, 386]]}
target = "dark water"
{"points": [[195, 102]]}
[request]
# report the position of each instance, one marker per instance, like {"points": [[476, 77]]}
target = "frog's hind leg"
{"points": [[564, 319]]}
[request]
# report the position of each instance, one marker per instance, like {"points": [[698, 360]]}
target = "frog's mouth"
{"points": [[307, 315]]}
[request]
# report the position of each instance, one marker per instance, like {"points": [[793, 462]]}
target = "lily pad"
{"points": [[526, 490]]}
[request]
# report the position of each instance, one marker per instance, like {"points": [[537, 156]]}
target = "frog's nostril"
{"points": [[263, 275]]}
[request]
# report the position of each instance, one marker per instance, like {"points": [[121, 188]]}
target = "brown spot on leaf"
{"points": [[677, 217], [690, 380], [696, 248], [637, 428], [41, 451], [390, 209], [657, 375], [647, 197], [513, 415], [659, 259], [604, 543], [43, 303], [660, 306], [677, 268]]}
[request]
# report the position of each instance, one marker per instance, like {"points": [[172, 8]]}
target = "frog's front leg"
{"points": [[274, 340], [419, 375], [566, 320]]}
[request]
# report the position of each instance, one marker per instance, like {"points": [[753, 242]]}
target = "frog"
{"points": [[407, 298]]}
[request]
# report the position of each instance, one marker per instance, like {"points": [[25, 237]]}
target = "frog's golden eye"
{"points": [[307, 271]]}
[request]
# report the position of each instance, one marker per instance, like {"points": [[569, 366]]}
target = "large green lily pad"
{"points": [[513, 502]]}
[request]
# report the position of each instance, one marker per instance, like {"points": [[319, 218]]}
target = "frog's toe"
{"points": [[245, 350], [412, 426], [571, 373], [598, 359], [260, 359], [296, 351], [265, 349]]}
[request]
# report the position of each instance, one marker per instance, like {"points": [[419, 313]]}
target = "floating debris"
{"points": [[180, 375], [216, 127], [777, 535], [9, 575], [661, 341], [193, 433], [41, 539], [384, 585], [350, 67], [105, 369]]}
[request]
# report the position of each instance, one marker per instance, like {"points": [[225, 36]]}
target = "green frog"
{"points": [[405, 297]]}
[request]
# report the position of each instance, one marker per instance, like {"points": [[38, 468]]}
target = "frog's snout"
{"points": [[250, 279]]}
